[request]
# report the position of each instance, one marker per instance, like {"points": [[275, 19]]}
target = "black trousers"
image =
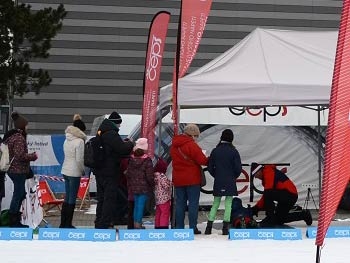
{"points": [[2, 184], [107, 198], [120, 213], [2, 187], [278, 214]]}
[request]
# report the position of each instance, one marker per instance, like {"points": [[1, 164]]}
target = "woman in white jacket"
{"points": [[72, 168]]}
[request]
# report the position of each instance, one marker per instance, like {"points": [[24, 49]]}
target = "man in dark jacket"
{"points": [[108, 174], [278, 188]]}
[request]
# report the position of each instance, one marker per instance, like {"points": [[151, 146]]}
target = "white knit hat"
{"points": [[142, 144]]}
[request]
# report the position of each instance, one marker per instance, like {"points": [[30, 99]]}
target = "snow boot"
{"points": [[225, 228], [63, 215], [69, 215], [298, 216], [15, 220], [161, 227], [208, 228], [307, 217], [138, 226], [131, 214], [196, 231]]}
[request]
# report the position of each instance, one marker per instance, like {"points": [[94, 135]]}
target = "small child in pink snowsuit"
{"points": [[162, 192]]}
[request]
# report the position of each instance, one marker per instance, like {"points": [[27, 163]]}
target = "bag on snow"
{"points": [[242, 217], [94, 152], [5, 162]]}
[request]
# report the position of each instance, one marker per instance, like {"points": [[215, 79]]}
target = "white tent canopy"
{"points": [[268, 67]]}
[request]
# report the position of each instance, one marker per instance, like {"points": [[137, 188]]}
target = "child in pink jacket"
{"points": [[162, 192]]}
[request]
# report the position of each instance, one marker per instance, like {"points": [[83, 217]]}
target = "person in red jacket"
{"points": [[279, 189], [187, 158]]}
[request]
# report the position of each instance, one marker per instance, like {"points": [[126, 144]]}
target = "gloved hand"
{"points": [[255, 210]]}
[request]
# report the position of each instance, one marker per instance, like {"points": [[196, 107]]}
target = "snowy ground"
{"points": [[213, 248]]}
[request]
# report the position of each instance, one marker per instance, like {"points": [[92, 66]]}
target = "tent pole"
{"points": [[319, 152], [318, 254], [159, 131], [178, 119], [173, 201]]}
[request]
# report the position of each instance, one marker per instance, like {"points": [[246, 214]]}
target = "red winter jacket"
{"points": [[274, 179], [186, 172]]}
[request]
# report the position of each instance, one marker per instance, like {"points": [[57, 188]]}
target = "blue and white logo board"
{"points": [[50, 157], [275, 234], [81, 234], [332, 232], [156, 234], [16, 233]]}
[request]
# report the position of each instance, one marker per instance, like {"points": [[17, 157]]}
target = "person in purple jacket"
{"points": [[20, 160], [140, 179]]}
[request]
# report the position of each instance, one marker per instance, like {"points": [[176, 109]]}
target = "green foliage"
{"points": [[25, 35]]}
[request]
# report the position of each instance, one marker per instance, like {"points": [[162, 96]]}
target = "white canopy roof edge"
{"points": [[268, 67], [269, 116]]}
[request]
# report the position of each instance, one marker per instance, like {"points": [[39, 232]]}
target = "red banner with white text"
{"points": [[154, 57], [193, 18], [336, 168]]}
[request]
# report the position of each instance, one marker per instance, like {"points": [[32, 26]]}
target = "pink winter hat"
{"points": [[142, 144]]}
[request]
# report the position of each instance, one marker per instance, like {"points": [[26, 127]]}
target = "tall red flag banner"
{"points": [[154, 57], [192, 21], [337, 159]]}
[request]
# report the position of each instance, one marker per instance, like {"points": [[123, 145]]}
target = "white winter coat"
{"points": [[73, 148]]}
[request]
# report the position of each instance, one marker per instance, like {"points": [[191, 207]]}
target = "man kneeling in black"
{"points": [[280, 189]]}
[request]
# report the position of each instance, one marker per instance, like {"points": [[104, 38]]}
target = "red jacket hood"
{"points": [[181, 139]]}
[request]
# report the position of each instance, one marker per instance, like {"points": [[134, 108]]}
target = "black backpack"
{"points": [[94, 152]]}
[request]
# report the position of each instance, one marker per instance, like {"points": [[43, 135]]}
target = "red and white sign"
{"points": [[156, 42], [193, 18], [336, 168]]}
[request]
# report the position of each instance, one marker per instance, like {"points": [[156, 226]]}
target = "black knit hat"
{"points": [[227, 135], [115, 117], [77, 122], [19, 121]]}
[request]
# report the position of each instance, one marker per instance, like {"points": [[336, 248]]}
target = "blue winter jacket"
{"points": [[225, 166]]}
